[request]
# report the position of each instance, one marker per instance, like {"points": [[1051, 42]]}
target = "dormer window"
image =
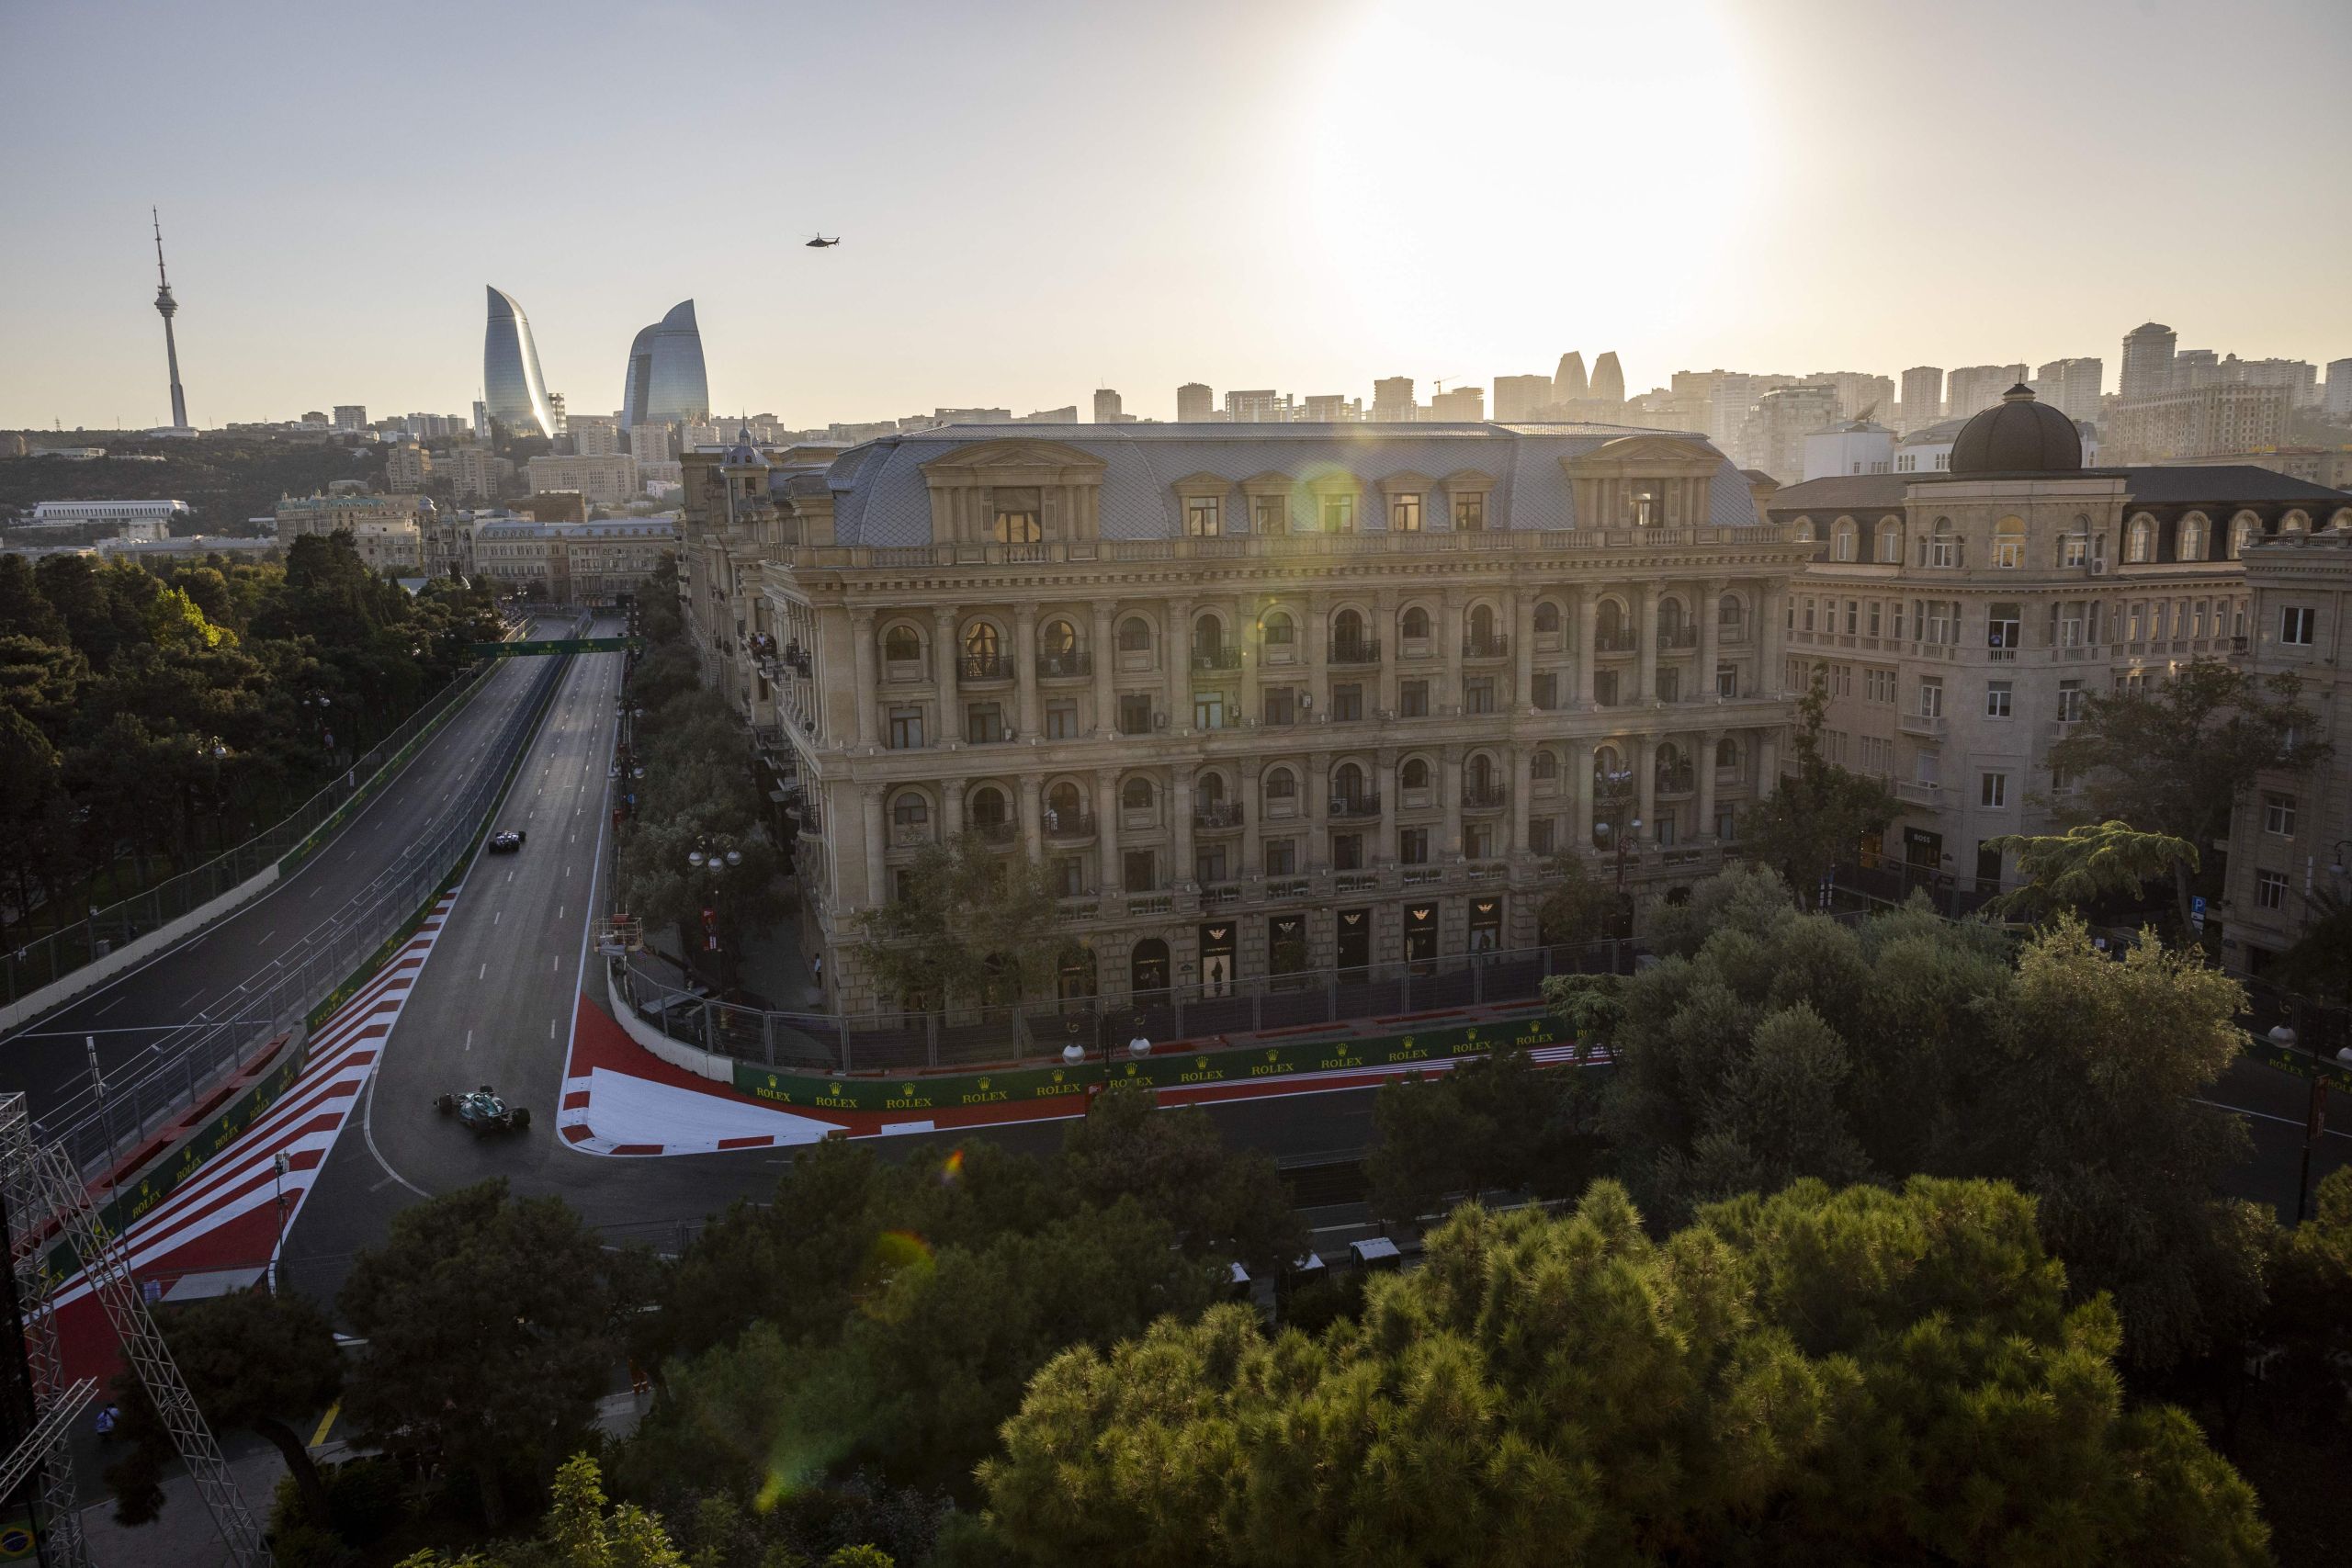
{"points": [[1019, 513], [1645, 503], [1339, 514], [1405, 514], [1203, 516]]}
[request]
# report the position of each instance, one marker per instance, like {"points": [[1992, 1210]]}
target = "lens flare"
{"points": [[951, 1169]]}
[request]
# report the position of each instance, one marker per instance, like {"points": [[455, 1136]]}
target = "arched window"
{"points": [[1890, 542], [1058, 638], [1347, 783], [1610, 624], [988, 807], [1728, 610], [1135, 634], [1804, 530], [900, 644], [1065, 804], [980, 641], [1941, 547], [1727, 753], [1208, 636], [1606, 763], [1280, 630], [1547, 619], [1347, 629], [910, 811], [1282, 785], [2245, 531], [1482, 627], [1669, 757], [1135, 794], [1543, 764], [1415, 624], [1415, 773], [1480, 775], [1669, 621], [1842, 539], [2196, 537], [2009, 543], [2295, 523], [2140, 540], [1210, 789]]}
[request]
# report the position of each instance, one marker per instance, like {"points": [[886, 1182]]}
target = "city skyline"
{"points": [[1786, 220]]}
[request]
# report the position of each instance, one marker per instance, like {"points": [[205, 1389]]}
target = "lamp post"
{"points": [[713, 858]]}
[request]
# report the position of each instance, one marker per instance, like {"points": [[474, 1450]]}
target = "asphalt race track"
{"points": [[200, 977]]}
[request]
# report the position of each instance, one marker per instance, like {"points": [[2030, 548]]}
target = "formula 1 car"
{"points": [[483, 1112], [507, 842]]}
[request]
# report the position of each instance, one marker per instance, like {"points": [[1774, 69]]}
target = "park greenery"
{"points": [[1819, 816], [226, 479], [150, 719]]}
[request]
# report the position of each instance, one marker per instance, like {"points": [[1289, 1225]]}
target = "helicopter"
{"points": [[818, 241]]}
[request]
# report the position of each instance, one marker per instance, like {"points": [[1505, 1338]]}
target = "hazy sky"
{"points": [[1038, 198]]}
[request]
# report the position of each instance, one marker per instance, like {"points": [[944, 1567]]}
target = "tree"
{"points": [[1820, 816], [577, 1533], [2086, 864], [1818, 1376], [2175, 760], [2319, 963], [1498, 1124], [2310, 1274], [492, 1325], [1220, 1202], [975, 926], [251, 1359], [1577, 909]]}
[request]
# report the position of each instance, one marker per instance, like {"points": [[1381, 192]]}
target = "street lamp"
{"points": [[713, 858]]}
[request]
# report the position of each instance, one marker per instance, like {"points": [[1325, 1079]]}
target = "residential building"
{"points": [[1783, 418], [1608, 380], [2329, 466], [2148, 352], [595, 435], [117, 514], [1107, 410], [2291, 837], [1193, 401], [396, 549], [337, 513], [1393, 402], [2072, 387], [1201, 676], [1519, 398], [2218, 416], [1923, 397], [2337, 401], [515, 393], [1957, 619], [1865, 447], [609, 480], [1861, 395], [1331, 408], [1066, 414], [1260, 406], [1568, 381], [653, 443], [568, 563], [1974, 387], [1461, 405], [477, 473], [408, 468], [350, 417]]}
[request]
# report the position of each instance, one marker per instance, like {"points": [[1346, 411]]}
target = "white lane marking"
{"points": [[193, 1000], [368, 1131], [494, 914], [470, 1039], [316, 892], [485, 972], [2266, 1116], [108, 1008], [554, 962], [266, 936], [551, 1028], [559, 910]]}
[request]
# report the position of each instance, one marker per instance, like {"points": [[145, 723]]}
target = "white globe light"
{"points": [[694, 857], [1073, 1054]]}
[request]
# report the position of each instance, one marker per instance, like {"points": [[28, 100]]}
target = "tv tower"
{"points": [[167, 307]]}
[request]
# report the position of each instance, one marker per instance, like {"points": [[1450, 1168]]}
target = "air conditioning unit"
{"points": [[2099, 569]]}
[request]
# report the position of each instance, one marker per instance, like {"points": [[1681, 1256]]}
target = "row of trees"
{"points": [[151, 719]]}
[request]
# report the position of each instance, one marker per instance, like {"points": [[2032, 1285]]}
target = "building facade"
{"points": [[607, 480], [567, 563], [665, 383], [298, 515], [2291, 839], [2218, 416], [515, 392], [1958, 619], [408, 468], [110, 513], [1923, 397], [1260, 698]]}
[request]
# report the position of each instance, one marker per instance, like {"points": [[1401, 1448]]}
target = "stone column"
{"points": [[1318, 810], [1385, 781], [1106, 825], [1253, 654], [948, 651], [1706, 764], [1522, 786], [951, 811], [1253, 814], [1646, 680], [1384, 631], [1319, 653], [1767, 761], [861, 631], [1449, 790], [1180, 666], [1025, 655], [1106, 708], [1180, 807], [1770, 638], [1451, 700], [1033, 827], [1710, 610], [1523, 649], [1645, 788], [1581, 765], [877, 886], [1587, 611]]}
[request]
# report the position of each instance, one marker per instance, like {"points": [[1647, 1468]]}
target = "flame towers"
{"points": [[167, 307], [665, 383], [513, 387]]}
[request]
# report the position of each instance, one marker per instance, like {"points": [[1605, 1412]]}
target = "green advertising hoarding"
{"points": [[531, 648]]}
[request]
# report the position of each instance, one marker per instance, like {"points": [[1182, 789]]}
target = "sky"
{"points": [[1036, 198]]}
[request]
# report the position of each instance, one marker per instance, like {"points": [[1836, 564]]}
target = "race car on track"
{"points": [[507, 842], [483, 1112]]}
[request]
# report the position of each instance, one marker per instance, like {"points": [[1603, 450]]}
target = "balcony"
{"points": [[1217, 815], [996, 833], [1211, 658], [1220, 895], [1679, 638], [1485, 798], [1925, 726], [1494, 647], [985, 667], [1072, 664], [1069, 827], [1677, 780], [1360, 652], [1354, 807], [910, 835], [1918, 792], [1615, 642]]}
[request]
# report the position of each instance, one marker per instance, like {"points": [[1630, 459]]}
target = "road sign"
{"points": [[2196, 912]]}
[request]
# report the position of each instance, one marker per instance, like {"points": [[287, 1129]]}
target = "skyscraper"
{"points": [[666, 384], [2071, 386], [1923, 396], [514, 391], [2147, 361], [1608, 380], [167, 307], [1106, 406], [1567, 382], [1392, 400], [1192, 401], [1518, 397], [1975, 388]]}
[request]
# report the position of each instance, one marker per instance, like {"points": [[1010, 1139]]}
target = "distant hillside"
{"points": [[225, 479]]}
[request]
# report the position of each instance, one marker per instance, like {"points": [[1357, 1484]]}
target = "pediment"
{"points": [[1407, 483], [1013, 461], [1470, 479], [1201, 483]]}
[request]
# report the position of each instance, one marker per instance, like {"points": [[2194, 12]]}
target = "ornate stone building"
{"points": [[1958, 618], [1258, 698]]}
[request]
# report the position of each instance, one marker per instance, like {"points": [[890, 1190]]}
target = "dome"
{"points": [[744, 455], [2018, 436]]}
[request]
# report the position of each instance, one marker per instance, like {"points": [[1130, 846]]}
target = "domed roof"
{"points": [[2018, 436], [744, 455]]}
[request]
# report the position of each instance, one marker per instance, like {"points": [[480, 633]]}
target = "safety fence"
{"points": [[105, 1120], [900, 1042], [28, 968]]}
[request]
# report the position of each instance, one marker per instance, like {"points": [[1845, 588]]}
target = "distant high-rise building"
{"points": [[1106, 406], [1194, 402], [1392, 400], [1567, 382], [1923, 396], [595, 434], [665, 383], [407, 468], [1066, 414], [555, 409], [2071, 386], [167, 307], [2338, 404], [2147, 361], [653, 443], [1330, 408], [2195, 421], [1859, 393], [482, 418], [351, 416], [1519, 397], [1258, 406], [2195, 368], [515, 392], [1783, 418], [1462, 405], [1975, 388], [1608, 379]]}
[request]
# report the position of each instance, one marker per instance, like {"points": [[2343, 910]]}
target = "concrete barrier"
{"points": [[32, 1004], [677, 1053]]}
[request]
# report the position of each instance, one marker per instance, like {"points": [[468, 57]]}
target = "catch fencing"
{"points": [[994, 1037], [107, 1121]]}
